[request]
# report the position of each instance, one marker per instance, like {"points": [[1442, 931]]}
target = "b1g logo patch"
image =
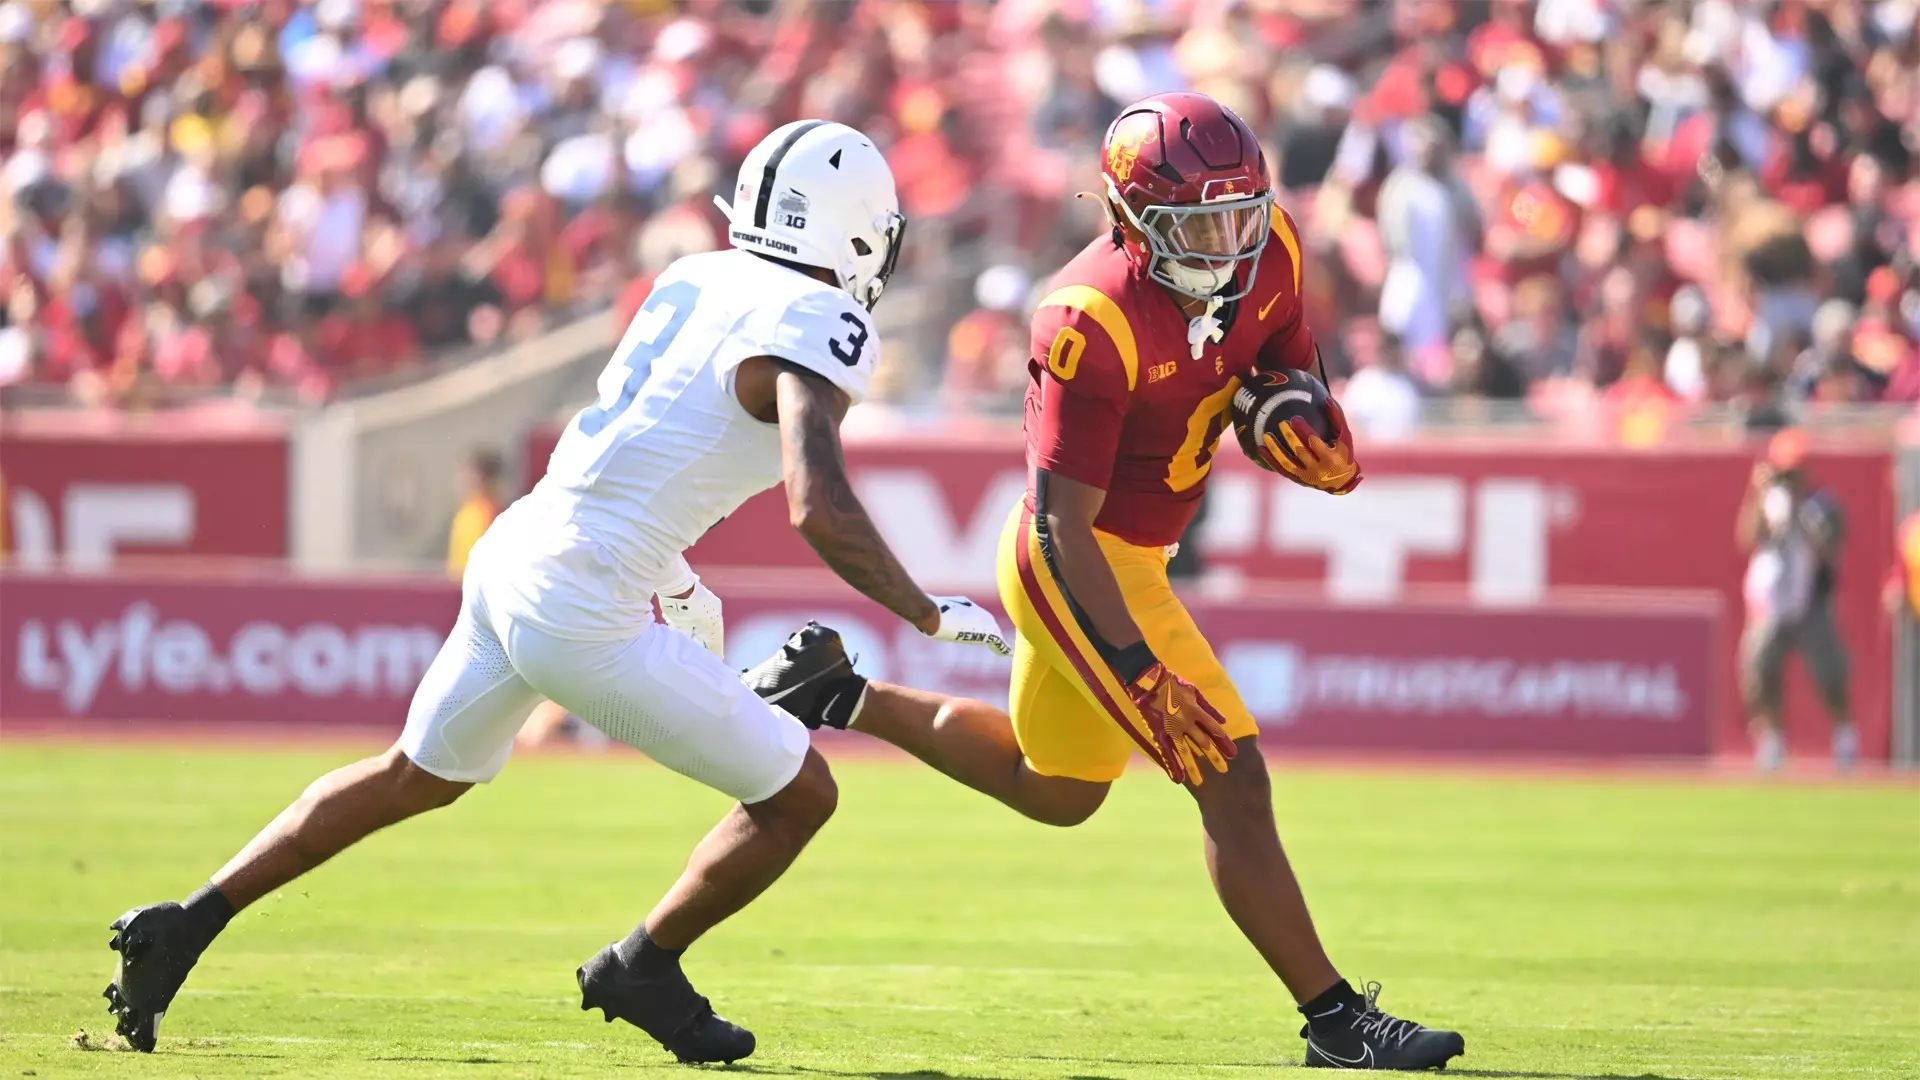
{"points": [[793, 208]]}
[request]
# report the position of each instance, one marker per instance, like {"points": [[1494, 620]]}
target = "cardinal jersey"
{"points": [[1118, 401]]}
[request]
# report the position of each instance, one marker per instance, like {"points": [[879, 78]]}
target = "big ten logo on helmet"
{"points": [[793, 208]]}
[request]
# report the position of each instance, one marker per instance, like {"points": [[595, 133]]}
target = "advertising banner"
{"points": [[193, 649], [87, 496], [1503, 523], [1555, 679]]}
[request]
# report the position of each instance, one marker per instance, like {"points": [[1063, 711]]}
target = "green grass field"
{"points": [[1571, 928]]}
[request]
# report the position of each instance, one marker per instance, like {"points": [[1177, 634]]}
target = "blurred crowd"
{"points": [[1655, 205], [297, 196]]}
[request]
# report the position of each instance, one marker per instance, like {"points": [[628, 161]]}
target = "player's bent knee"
{"points": [[1248, 761], [808, 800], [1075, 807], [1066, 816], [414, 790], [1245, 779], [1058, 800]]}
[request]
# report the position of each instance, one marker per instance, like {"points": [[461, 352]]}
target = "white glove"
{"points": [[697, 615], [964, 621]]}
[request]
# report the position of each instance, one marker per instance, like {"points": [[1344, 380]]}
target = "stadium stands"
{"points": [[1558, 201]]}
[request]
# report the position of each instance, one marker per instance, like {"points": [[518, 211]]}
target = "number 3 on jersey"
{"points": [[848, 352], [653, 329]]}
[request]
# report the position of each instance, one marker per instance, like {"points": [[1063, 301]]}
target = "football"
{"points": [[1268, 399]]}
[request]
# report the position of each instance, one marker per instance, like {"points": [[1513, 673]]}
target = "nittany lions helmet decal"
{"points": [[820, 194]]}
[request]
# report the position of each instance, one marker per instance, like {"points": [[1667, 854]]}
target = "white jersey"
{"points": [[666, 450]]}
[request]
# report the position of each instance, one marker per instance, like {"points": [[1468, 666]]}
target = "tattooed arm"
{"points": [[820, 499]]}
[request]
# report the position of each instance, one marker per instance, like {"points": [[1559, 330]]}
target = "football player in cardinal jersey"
{"points": [[733, 377], [1136, 353]]}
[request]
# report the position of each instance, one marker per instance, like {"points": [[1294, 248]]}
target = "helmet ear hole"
{"points": [[861, 248]]}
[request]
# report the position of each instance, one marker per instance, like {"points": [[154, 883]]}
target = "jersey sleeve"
{"points": [[823, 331], [1290, 342], [1085, 363]]}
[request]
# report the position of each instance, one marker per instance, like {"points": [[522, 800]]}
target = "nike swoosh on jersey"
{"points": [[1269, 307]]}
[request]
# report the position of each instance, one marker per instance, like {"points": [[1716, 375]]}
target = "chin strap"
{"points": [[1204, 328]]}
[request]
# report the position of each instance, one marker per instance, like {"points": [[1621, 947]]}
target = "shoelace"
{"points": [[1380, 1025]]}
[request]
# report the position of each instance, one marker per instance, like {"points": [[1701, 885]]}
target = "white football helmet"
{"points": [[820, 194]]}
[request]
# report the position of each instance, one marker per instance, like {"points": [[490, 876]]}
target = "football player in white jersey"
{"points": [[733, 376]]}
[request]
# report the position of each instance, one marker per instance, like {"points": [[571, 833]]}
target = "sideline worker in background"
{"points": [[479, 505], [1792, 532], [1901, 596]]}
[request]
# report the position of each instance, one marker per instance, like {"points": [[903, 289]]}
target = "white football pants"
{"points": [[657, 691]]}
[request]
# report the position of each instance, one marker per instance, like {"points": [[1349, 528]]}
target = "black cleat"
{"points": [[158, 946], [1371, 1039], [665, 1006], [811, 678]]}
